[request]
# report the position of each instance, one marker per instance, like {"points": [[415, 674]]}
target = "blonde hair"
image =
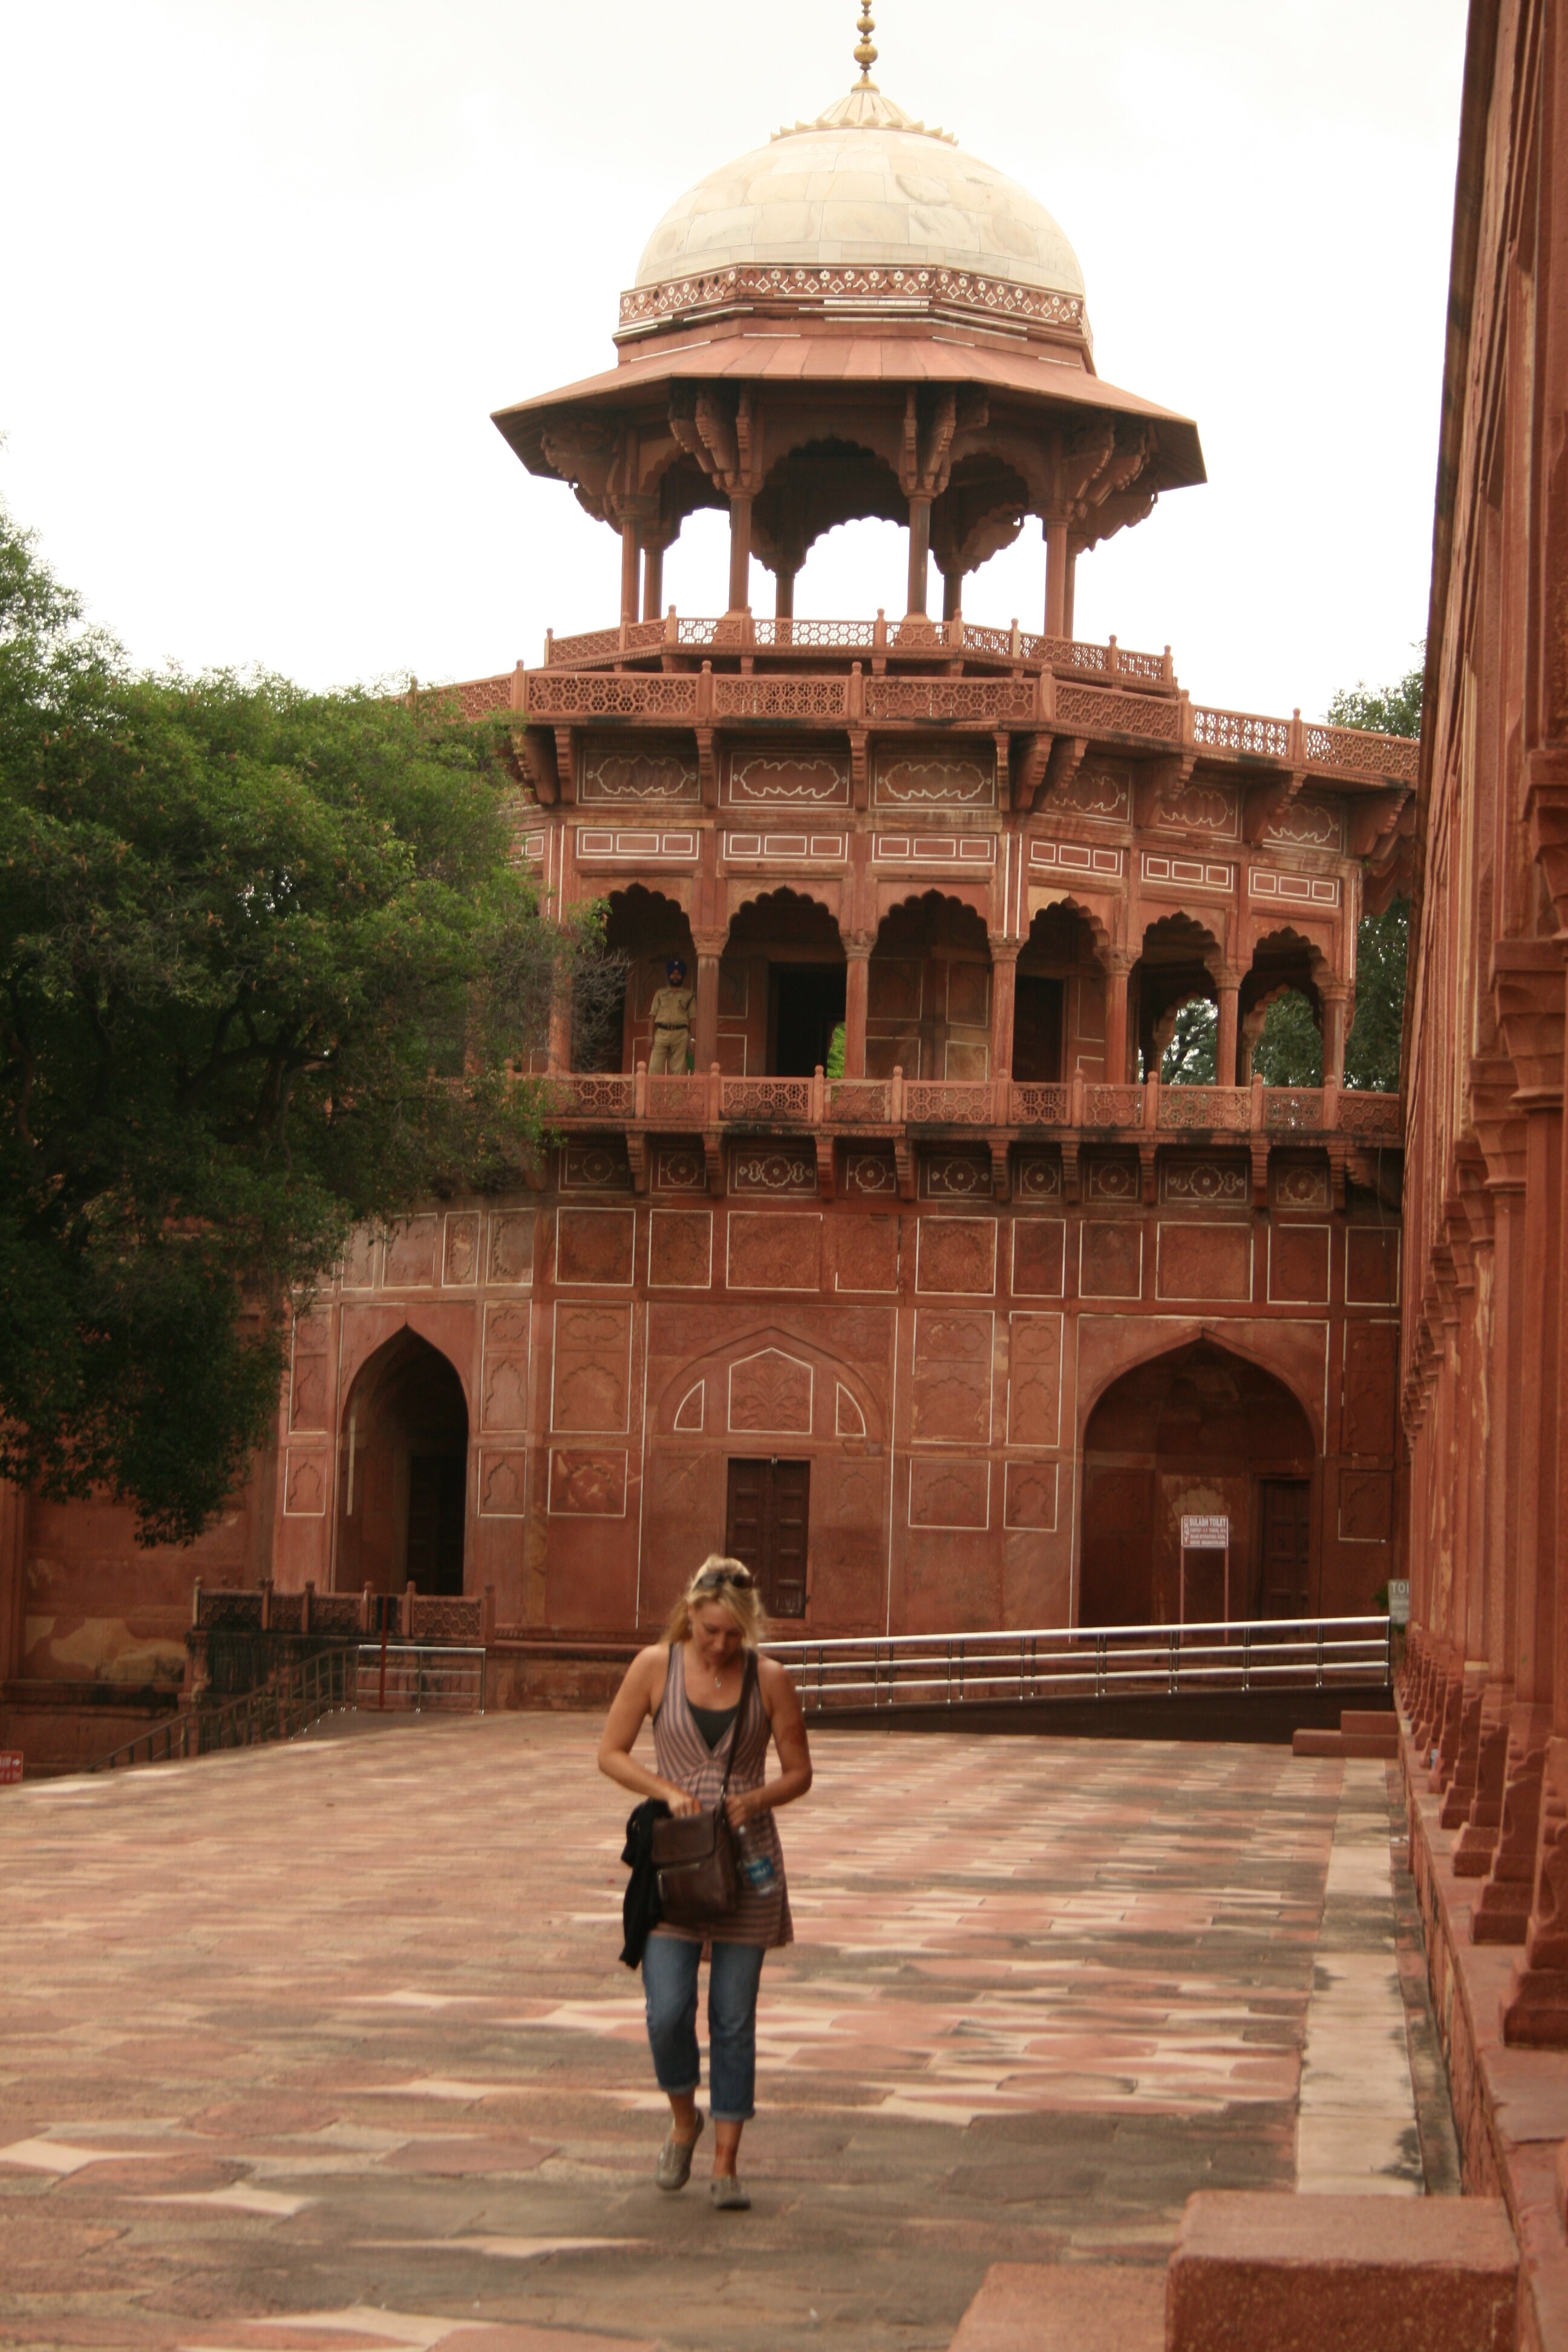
{"points": [[729, 1583]]}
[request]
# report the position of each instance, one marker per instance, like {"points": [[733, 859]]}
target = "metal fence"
{"points": [[1090, 1662], [427, 1678], [280, 1709]]}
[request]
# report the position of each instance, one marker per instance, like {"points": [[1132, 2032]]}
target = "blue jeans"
{"points": [[670, 1988]]}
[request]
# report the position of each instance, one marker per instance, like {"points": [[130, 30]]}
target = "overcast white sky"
{"points": [[271, 263]]}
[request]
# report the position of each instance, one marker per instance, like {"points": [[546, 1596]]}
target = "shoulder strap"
{"points": [[747, 1679]]}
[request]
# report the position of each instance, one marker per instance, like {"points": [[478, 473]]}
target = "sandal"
{"points": [[673, 2170]]}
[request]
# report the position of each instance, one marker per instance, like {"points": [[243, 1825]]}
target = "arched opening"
{"points": [[1198, 1430], [1059, 1011], [1175, 967], [643, 932], [929, 992], [781, 986], [1281, 1011], [814, 490], [402, 1486]]}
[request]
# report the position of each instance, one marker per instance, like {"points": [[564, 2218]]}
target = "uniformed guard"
{"points": [[671, 1023]]}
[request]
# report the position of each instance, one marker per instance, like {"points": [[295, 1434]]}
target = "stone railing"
{"points": [[746, 632], [696, 1103], [1024, 697]]}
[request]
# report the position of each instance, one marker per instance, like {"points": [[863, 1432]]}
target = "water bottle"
{"points": [[756, 1863]]}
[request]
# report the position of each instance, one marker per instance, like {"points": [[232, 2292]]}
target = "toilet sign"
{"points": [[10, 1765], [1399, 1599], [1203, 1531]]}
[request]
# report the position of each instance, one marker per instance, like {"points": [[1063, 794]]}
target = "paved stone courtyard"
{"points": [[327, 2045]]}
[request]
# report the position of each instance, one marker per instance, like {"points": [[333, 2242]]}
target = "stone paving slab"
{"points": [[327, 2045]]}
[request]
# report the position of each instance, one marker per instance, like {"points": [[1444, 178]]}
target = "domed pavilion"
{"points": [[857, 320]]}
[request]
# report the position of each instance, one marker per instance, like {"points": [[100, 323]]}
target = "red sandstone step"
{"points": [[1382, 1721], [1065, 2307], [1305, 2273], [1380, 1744]]}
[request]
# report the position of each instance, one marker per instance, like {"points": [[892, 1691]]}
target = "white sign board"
{"points": [[1399, 1599], [1204, 1532]]}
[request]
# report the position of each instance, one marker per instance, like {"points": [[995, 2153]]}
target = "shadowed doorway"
{"points": [[1205, 1431], [402, 1475]]}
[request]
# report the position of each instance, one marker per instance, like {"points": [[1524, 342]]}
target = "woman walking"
{"points": [[715, 1705]]}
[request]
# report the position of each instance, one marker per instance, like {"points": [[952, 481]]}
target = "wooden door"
{"points": [[767, 1525], [1286, 1517]]}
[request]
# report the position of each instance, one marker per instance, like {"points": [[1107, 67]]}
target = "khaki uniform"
{"points": [[671, 1031]]}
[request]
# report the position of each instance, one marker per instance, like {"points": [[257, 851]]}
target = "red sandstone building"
{"points": [[1482, 1366], [955, 1339]]}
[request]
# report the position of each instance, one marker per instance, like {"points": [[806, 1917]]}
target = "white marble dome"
{"points": [[862, 186]]}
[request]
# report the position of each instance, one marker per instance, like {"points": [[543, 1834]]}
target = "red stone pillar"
{"points": [[708, 950], [1336, 1009], [1118, 963], [1057, 562], [857, 995], [783, 594], [739, 551], [1229, 989], [919, 553], [1004, 989], [652, 580], [951, 595], [628, 573]]}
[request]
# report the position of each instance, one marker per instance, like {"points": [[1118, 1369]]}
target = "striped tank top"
{"points": [[683, 1755]]}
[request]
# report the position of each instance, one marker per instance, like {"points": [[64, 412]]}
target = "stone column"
{"points": [[1228, 985], [739, 551], [920, 553], [784, 596], [951, 595], [1336, 1011], [856, 993], [628, 571], [1055, 579], [1004, 984], [561, 1027], [1118, 963], [652, 579], [1528, 980], [709, 949]]}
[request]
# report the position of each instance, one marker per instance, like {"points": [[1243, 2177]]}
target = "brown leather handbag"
{"points": [[694, 1853]]}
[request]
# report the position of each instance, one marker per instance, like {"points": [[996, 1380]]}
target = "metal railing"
{"points": [[1090, 1662], [281, 1708], [424, 1677]]}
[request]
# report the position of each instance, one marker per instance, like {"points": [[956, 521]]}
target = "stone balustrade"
{"points": [[700, 1102]]}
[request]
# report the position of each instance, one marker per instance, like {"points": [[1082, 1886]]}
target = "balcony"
{"points": [[1352, 1126], [725, 672]]}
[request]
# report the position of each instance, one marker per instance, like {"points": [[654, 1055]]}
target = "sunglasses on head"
{"points": [[714, 1576]]}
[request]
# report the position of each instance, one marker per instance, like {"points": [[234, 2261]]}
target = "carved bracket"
{"points": [[538, 747], [713, 1154], [825, 1167], [1157, 787]]}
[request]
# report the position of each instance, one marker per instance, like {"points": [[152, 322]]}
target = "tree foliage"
{"points": [[265, 965], [1189, 1059]]}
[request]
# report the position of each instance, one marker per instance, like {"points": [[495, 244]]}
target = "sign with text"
{"points": [[10, 1765], [1203, 1531], [1399, 1599]]}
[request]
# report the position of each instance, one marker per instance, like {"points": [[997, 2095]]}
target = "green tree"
{"points": [[265, 963], [1189, 1059], [1289, 1053]]}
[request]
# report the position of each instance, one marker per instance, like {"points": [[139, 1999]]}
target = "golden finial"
{"points": [[865, 49]]}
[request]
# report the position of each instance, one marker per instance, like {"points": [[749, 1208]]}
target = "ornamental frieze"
{"points": [[951, 777]]}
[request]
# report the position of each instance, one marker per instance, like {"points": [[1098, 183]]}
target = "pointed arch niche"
{"points": [[1199, 1429], [402, 1482]]}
